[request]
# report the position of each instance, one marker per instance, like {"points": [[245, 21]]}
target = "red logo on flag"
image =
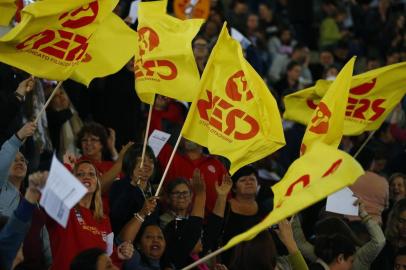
{"points": [[357, 107], [223, 116], [237, 86], [63, 44], [320, 121], [148, 40], [305, 180]]}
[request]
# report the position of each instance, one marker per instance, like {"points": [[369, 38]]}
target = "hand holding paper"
{"points": [[62, 191]]}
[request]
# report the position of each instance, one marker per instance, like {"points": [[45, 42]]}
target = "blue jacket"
{"points": [[14, 232], [9, 195]]}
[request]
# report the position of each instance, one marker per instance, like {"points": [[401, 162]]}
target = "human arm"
{"points": [[367, 253], [285, 234], [108, 177], [222, 191], [10, 148], [14, 232], [132, 227], [305, 247], [199, 190], [111, 144]]}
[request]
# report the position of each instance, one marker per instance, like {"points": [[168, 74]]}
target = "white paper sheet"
{"points": [[157, 140], [61, 192], [342, 202], [133, 14], [110, 244], [245, 42]]}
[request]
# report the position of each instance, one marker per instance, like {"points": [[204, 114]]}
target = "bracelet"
{"points": [[18, 137], [139, 217]]}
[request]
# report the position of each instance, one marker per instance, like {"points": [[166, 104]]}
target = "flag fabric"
{"points": [[8, 10], [320, 172], [372, 97], [164, 60], [234, 114], [103, 57], [53, 36], [327, 120]]}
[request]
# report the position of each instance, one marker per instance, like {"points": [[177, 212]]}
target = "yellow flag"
{"points": [[320, 172], [234, 114], [164, 60], [8, 9], [103, 56], [53, 36], [372, 97], [327, 120]]}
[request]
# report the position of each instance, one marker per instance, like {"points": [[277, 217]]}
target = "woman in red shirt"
{"points": [[87, 225]]}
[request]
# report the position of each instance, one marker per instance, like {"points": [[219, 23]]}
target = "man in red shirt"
{"points": [[189, 158]]}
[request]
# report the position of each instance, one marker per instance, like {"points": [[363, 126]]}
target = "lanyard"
{"points": [[92, 229]]}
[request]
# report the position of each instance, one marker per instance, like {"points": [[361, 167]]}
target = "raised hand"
{"points": [[69, 159], [125, 250], [36, 182], [198, 183], [148, 207], [224, 188], [26, 131]]}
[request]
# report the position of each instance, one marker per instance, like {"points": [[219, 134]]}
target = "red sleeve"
{"points": [[397, 132]]}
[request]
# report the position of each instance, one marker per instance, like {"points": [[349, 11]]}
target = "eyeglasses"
{"points": [[178, 194], [90, 140], [83, 175]]}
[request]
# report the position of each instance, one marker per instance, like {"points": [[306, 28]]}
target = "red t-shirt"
{"points": [[210, 167], [82, 232], [172, 114]]}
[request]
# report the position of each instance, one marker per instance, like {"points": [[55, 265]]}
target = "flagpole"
{"points": [[364, 143], [144, 147], [168, 165], [48, 101], [205, 258]]}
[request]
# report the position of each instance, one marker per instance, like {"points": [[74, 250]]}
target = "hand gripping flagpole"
{"points": [[168, 165], [48, 101]]}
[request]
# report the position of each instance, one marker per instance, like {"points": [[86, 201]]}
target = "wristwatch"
{"points": [[19, 96]]}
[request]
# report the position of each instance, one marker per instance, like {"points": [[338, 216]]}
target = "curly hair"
{"points": [[95, 129]]}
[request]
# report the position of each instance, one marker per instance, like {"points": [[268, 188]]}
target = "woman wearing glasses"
{"points": [[134, 193]]}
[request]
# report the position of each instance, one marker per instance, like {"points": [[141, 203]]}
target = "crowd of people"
{"points": [[97, 132]]}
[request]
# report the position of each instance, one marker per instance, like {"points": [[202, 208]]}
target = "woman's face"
{"points": [[91, 145], [19, 166], [87, 174], [152, 242], [144, 173], [246, 185], [180, 198], [397, 189]]}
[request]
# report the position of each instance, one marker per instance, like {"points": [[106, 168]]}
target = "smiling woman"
{"points": [[87, 226]]}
